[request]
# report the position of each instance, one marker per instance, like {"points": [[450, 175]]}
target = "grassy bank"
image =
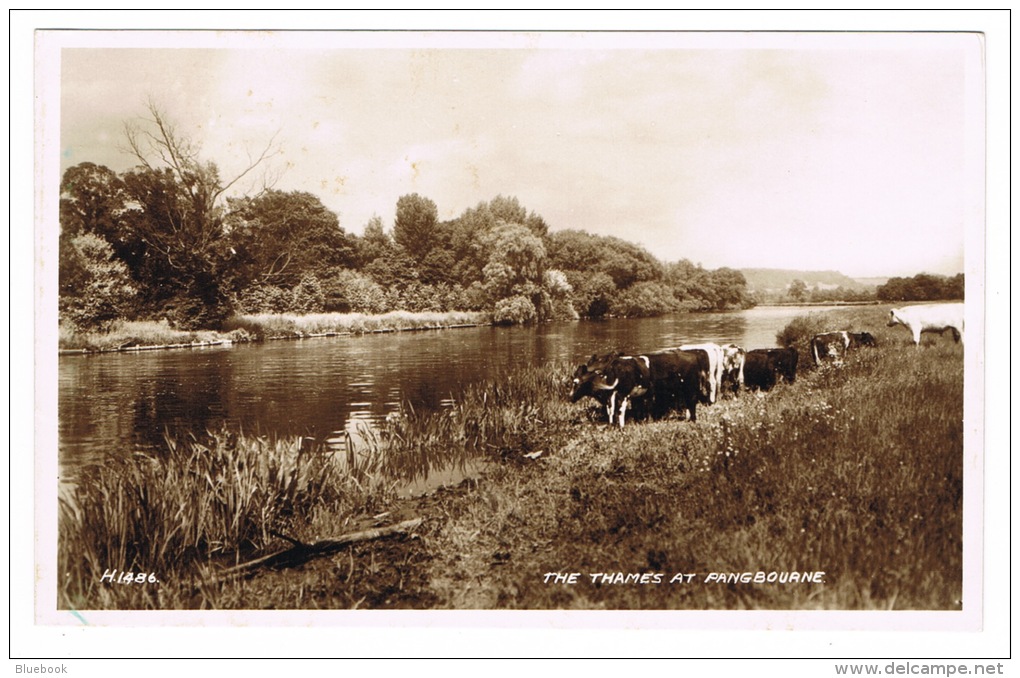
{"points": [[291, 325], [854, 471], [134, 335], [127, 334]]}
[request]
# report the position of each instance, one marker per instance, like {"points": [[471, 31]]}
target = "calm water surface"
{"points": [[114, 404]]}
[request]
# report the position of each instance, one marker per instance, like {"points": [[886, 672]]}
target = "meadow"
{"points": [[854, 470]]}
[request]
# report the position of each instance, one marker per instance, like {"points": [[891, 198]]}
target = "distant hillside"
{"points": [[776, 279]]}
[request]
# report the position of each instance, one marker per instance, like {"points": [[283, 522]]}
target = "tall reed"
{"points": [[198, 502]]}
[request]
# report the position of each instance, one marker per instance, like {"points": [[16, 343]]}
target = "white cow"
{"points": [[716, 364], [929, 318]]}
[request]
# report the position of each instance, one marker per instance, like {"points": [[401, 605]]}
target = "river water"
{"points": [[117, 403]]}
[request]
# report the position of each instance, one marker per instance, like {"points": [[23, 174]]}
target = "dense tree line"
{"points": [[922, 287], [161, 240]]}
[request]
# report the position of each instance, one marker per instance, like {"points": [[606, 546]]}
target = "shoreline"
{"points": [[230, 341]]}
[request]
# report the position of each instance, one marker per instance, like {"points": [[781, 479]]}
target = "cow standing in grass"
{"points": [[929, 318], [663, 381], [836, 344], [765, 367], [716, 356], [734, 358], [615, 381]]}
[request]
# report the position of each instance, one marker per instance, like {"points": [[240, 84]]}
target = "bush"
{"points": [[307, 296], [517, 310], [347, 291], [264, 299], [95, 287]]}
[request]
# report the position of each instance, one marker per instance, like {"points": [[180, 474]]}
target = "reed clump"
{"points": [[197, 505]]}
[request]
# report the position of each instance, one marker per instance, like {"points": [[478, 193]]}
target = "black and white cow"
{"points": [[764, 367], [733, 367], [836, 344], [615, 381], [662, 381]]}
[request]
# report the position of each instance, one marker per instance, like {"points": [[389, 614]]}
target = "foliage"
{"points": [[92, 200], [347, 291], [415, 226], [263, 299], [922, 287], [798, 290], [515, 310], [840, 293], [279, 238], [176, 224], [307, 295], [624, 262], [592, 293], [644, 299], [95, 287]]}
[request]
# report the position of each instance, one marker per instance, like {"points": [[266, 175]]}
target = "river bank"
{"points": [[126, 336], [821, 476]]}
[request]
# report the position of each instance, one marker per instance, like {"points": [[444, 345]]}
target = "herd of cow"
{"points": [[681, 378]]}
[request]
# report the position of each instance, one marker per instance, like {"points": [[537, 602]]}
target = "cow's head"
{"points": [[591, 377], [893, 319], [864, 339]]}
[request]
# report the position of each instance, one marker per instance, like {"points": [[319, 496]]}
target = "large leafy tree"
{"points": [[92, 200], [626, 263], [277, 238], [515, 271], [414, 228], [374, 242], [177, 217]]}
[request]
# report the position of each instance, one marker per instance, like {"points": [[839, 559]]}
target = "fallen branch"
{"points": [[301, 553]]}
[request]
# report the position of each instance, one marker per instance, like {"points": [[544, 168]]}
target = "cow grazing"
{"points": [[665, 380], [836, 344], [764, 367], [929, 318], [614, 381], [716, 357]]}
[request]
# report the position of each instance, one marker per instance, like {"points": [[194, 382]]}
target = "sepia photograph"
{"points": [[609, 324]]}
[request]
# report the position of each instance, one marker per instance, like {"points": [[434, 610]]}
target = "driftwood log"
{"points": [[301, 553]]}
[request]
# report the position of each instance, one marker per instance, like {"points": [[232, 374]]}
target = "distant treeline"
{"points": [[162, 241], [922, 287]]}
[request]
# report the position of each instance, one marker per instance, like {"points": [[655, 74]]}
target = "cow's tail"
{"points": [[814, 350]]}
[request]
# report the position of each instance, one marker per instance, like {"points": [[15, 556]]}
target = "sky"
{"points": [[859, 153]]}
